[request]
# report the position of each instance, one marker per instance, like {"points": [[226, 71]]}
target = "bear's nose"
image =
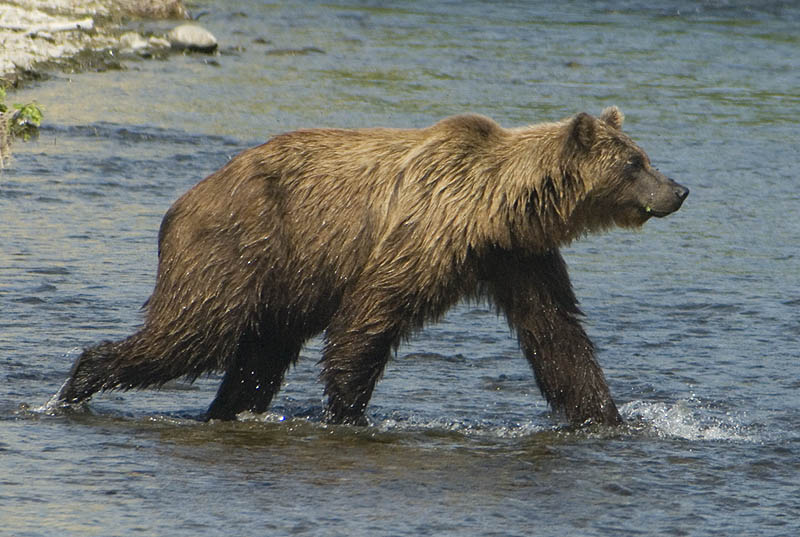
{"points": [[681, 191]]}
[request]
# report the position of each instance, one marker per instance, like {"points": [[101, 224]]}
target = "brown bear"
{"points": [[367, 234]]}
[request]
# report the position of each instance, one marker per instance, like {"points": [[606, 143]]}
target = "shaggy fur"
{"points": [[366, 235]]}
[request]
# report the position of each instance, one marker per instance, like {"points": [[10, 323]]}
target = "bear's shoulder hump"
{"points": [[473, 125]]}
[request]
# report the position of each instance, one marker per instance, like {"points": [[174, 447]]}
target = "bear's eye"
{"points": [[635, 163]]}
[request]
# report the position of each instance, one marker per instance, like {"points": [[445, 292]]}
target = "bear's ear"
{"points": [[613, 116], [581, 131]]}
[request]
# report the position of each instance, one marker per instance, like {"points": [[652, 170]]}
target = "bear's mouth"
{"points": [[649, 211]]}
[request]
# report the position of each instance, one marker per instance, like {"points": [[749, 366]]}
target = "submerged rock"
{"points": [[192, 37]]}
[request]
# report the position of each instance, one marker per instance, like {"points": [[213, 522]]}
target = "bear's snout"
{"points": [[662, 195], [681, 192]]}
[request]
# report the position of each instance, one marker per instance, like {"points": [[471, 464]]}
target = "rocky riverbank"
{"points": [[37, 35]]}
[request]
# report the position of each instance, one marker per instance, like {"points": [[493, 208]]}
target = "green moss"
{"points": [[25, 122]]}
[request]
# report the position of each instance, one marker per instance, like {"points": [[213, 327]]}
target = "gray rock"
{"points": [[131, 41], [192, 37], [158, 42]]}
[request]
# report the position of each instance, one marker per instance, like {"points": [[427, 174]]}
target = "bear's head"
{"points": [[620, 187]]}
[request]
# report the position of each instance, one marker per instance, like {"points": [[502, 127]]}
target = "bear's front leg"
{"points": [[536, 294], [563, 362]]}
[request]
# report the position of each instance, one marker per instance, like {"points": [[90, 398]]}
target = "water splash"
{"points": [[397, 422], [54, 405], [687, 419], [465, 427]]}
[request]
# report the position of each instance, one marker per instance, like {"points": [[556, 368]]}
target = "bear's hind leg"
{"points": [[253, 378], [350, 372], [90, 372], [146, 358], [359, 341]]}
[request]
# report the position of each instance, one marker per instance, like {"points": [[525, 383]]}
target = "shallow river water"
{"points": [[696, 317]]}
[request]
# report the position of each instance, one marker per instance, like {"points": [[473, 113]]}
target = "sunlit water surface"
{"points": [[696, 318]]}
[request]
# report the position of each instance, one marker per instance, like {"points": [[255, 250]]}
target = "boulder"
{"points": [[192, 37]]}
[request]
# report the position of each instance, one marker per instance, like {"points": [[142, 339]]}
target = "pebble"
{"points": [[192, 37]]}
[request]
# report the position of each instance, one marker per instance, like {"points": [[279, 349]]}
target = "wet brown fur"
{"points": [[367, 234]]}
